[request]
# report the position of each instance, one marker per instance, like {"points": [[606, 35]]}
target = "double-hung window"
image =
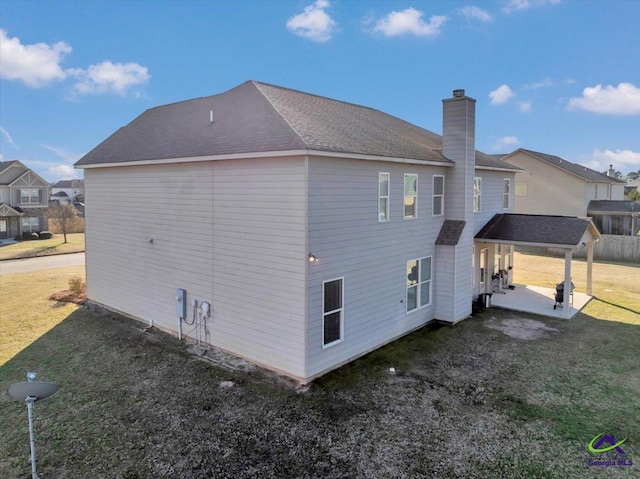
{"points": [[29, 196], [418, 283], [332, 311], [438, 195], [506, 191], [30, 224], [477, 193], [383, 197], [410, 196]]}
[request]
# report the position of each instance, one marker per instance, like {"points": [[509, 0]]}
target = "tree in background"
{"points": [[65, 217]]}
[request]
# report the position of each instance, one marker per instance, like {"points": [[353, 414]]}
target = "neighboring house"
{"points": [[23, 200], [317, 230], [632, 185], [552, 185], [68, 190], [620, 218]]}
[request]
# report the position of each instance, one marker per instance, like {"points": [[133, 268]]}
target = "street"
{"points": [[28, 265]]}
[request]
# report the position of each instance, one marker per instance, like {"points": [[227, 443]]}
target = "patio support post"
{"points": [[589, 267], [567, 283]]}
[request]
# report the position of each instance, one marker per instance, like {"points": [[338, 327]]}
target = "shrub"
{"points": [[29, 236], [46, 235], [76, 285]]}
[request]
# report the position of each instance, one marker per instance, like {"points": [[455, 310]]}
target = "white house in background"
{"points": [[23, 200], [68, 191], [317, 230]]}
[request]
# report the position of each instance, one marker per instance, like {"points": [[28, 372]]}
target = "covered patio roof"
{"points": [[538, 230], [564, 232]]}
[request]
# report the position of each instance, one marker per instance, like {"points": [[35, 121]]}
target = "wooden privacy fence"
{"points": [[609, 247]]}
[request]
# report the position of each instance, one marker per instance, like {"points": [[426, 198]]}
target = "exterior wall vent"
{"points": [[458, 93]]}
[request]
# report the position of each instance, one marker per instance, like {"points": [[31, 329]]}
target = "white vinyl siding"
{"points": [[410, 196], [506, 192], [438, 195], [332, 311], [232, 233], [383, 197], [477, 194], [419, 275]]}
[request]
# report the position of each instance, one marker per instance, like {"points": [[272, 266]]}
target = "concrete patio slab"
{"points": [[537, 300]]}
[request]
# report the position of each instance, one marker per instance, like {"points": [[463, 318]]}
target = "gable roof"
{"points": [[76, 183], [563, 231], [575, 169], [257, 117], [6, 164]]}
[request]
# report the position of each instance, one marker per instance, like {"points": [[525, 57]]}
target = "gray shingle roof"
{"points": [[257, 117], [538, 229], [450, 232], [578, 170], [613, 206]]}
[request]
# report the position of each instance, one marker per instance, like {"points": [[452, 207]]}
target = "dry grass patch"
{"points": [[25, 311], [33, 248]]}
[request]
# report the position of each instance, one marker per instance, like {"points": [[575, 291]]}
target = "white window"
{"points": [[418, 283], [30, 224], [29, 196], [383, 197], [608, 192], [410, 196], [332, 311], [438, 195], [506, 191], [473, 265], [477, 193]]}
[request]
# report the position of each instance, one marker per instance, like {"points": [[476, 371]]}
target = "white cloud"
{"points": [[519, 5], [313, 23], [570, 81], [61, 172], [610, 100], [538, 85], [66, 155], [501, 95], [108, 77], [475, 13], [409, 22], [505, 143], [524, 106], [622, 160], [7, 137], [36, 65]]}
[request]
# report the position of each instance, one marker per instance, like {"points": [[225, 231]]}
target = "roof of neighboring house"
{"points": [[61, 194], [450, 232], [580, 171], [493, 162], [257, 117], [613, 206], [513, 228], [69, 184]]}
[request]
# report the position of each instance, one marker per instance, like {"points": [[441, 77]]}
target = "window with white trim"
{"points": [[383, 197], [332, 311], [29, 196], [473, 265], [506, 191], [477, 193], [30, 224], [410, 196], [438, 195], [418, 283]]}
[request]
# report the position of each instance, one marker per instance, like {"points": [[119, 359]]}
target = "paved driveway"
{"points": [[28, 265]]}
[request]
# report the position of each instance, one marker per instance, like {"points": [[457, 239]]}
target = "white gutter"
{"points": [[268, 154]]}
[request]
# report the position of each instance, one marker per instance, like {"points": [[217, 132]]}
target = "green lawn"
{"points": [[55, 245], [465, 401]]}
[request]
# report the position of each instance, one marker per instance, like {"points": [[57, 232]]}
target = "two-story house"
{"points": [[296, 231], [24, 198], [68, 191], [549, 185]]}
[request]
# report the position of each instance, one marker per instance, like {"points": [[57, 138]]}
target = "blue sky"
{"points": [[556, 76]]}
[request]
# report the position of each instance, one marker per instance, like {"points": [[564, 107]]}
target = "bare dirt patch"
{"points": [[522, 328]]}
